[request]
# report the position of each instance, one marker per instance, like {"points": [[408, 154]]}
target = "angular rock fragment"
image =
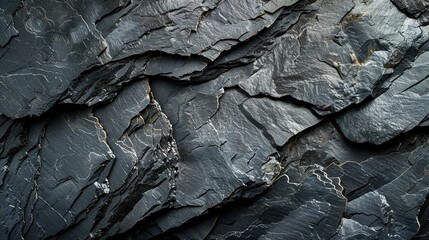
{"points": [[60, 41], [334, 55], [222, 159], [90, 172], [417, 9], [385, 186], [7, 28], [381, 207], [401, 108], [305, 205]]}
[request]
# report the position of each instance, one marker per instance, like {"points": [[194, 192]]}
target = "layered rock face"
{"points": [[214, 119]]}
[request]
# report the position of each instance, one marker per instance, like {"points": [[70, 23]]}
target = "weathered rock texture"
{"points": [[214, 119]]}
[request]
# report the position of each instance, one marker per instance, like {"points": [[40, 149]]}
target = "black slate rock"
{"points": [[214, 119]]}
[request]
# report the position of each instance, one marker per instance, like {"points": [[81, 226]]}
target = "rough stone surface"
{"points": [[214, 119]]}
